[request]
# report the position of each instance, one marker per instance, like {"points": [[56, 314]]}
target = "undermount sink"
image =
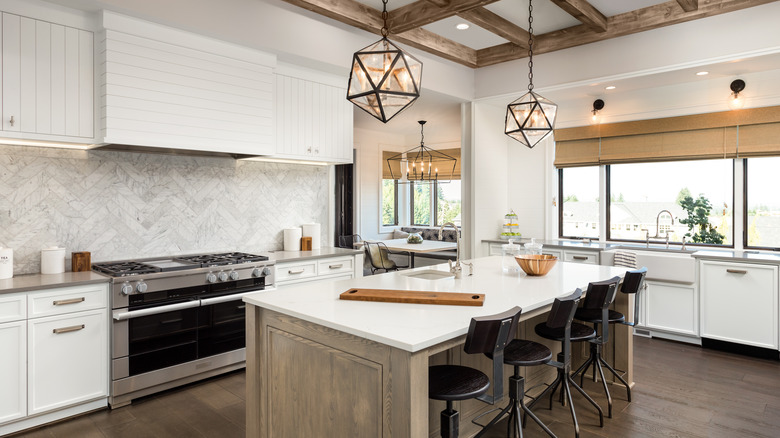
{"points": [[429, 274], [678, 266]]}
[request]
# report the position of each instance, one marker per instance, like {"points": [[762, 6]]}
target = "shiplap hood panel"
{"points": [[166, 88]]}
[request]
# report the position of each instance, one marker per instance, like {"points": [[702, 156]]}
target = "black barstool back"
{"points": [[490, 334], [601, 295], [559, 321], [632, 284]]}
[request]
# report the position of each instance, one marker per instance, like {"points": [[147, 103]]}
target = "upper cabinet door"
{"points": [[48, 79], [172, 89]]}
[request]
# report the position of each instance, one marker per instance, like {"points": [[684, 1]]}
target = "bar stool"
{"points": [[632, 284], [487, 334], [595, 309], [560, 327], [520, 353]]}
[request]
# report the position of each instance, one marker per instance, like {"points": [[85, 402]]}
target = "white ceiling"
{"points": [[439, 110]]}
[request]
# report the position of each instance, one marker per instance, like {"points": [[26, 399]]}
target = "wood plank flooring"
{"points": [[681, 391]]}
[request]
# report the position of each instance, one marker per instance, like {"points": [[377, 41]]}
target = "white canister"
{"points": [[6, 263], [292, 239], [53, 260], [313, 231]]}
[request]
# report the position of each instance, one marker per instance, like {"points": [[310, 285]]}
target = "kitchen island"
{"points": [[320, 366]]}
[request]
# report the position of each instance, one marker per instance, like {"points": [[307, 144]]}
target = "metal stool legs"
{"points": [[515, 406], [450, 422], [564, 380]]}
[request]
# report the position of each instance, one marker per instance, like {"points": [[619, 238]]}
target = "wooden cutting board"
{"points": [[414, 297]]}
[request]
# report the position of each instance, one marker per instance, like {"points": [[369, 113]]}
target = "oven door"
{"points": [[222, 324], [156, 337]]}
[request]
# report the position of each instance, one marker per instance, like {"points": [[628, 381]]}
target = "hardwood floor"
{"points": [[681, 391]]}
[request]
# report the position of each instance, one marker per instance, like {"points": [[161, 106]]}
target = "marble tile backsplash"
{"points": [[121, 205]]}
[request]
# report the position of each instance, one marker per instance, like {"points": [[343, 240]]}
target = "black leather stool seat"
{"points": [[455, 382], [594, 315], [579, 332], [524, 353]]}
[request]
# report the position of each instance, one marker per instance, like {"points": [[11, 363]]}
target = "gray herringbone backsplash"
{"points": [[121, 205]]}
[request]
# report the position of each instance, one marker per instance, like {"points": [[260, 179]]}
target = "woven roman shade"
{"points": [[728, 134], [395, 165], [444, 174], [454, 153]]}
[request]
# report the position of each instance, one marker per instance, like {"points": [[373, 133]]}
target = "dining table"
{"points": [[412, 248]]}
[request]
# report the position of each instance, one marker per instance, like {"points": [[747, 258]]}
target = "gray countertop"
{"points": [[738, 256], [28, 282], [556, 243], [324, 252]]}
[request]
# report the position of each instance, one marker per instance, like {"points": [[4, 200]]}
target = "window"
{"points": [[389, 202], [762, 215], [448, 203], [578, 190], [642, 196], [421, 203]]}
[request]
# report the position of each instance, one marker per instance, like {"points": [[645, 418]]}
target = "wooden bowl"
{"points": [[536, 264]]}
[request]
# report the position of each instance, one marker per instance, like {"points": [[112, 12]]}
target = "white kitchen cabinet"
{"points": [[167, 88], [48, 80], [314, 120], [739, 303], [67, 359], [13, 370], [329, 268], [588, 257], [671, 308], [557, 253]]}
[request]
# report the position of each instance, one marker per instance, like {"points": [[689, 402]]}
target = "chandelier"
{"points": [[530, 118], [422, 163], [384, 79]]}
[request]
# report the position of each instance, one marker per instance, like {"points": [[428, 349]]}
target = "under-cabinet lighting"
{"points": [[285, 161], [462, 26], [46, 144], [702, 73], [611, 87]]}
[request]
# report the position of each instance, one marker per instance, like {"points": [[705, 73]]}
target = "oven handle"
{"points": [[121, 316], [233, 297]]}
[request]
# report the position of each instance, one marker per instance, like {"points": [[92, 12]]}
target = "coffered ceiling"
{"points": [[498, 30]]}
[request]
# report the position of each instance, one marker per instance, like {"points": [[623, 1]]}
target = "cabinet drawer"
{"points": [[295, 271], [335, 266], [68, 360], [67, 300], [581, 257], [13, 307]]}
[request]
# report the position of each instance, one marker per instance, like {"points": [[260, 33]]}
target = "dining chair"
{"points": [[379, 257]]}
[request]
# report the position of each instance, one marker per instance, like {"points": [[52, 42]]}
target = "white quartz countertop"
{"points": [[414, 327]]}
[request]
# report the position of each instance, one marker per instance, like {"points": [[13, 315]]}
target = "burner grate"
{"points": [[229, 258], [123, 269]]}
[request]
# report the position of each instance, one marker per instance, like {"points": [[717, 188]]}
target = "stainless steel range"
{"points": [[179, 319]]}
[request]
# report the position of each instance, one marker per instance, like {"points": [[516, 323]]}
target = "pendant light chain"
{"points": [[530, 45], [385, 31]]}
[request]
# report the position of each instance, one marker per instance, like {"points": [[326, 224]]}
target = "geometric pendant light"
{"points": [[530, 118], [422, 164], [384, 80]]}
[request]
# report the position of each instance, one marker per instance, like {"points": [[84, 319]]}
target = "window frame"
{"points": [[560, 210], [431, 203], [704, 245], [745, 211], [395, 204]]}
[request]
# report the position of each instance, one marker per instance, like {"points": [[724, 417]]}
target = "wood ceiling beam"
{"points": [[496, 24], [585, 13], [369, 19], [640, 20], [424, 12], [689, 5]]}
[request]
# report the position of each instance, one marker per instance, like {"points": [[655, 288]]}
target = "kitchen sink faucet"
{"points": [[657, 224], [456, 269]]}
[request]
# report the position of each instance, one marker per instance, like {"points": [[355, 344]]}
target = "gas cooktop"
{"points": [[149, 266]]}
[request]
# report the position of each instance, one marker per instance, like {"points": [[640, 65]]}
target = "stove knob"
{"points": [[222, 276], [234, 275], [126, 288], [266, 271], [141, 287], [211, 278], [257, 272]]}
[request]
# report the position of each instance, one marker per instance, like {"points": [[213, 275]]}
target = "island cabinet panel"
{"points": [[167, 88], [339, 391]]}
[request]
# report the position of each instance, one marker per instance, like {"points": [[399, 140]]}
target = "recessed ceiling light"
{"points": [[611, 87], [462, 26], [702, 73]]}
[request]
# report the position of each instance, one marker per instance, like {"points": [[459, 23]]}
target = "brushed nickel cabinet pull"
{"points": [[291, 272], [12, 121], [736, 271], [73, 328], [241, 307], [580, 258], [70, 301], [336, 266]]}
